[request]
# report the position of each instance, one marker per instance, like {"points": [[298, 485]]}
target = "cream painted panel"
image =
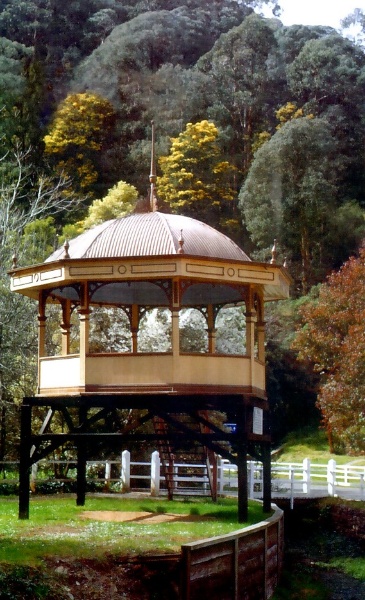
{"points": [[212, 370], [59, 372], [163, 369], [151, 369], [259, 379], [143, 369]]}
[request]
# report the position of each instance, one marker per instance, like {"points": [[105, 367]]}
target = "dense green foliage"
{"points": [[80, 82]]}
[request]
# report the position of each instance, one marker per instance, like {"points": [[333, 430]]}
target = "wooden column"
{"points": [[211, 329], [84, 316], [41, 333], [251, 318], [175, 319], [260, 329], [42, 325], [250, 334], [24, 464], [134, 321], [175, 338], [66, 327], [261, 342]]}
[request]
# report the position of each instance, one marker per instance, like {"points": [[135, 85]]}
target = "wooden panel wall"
{"points": [[243, 565]]}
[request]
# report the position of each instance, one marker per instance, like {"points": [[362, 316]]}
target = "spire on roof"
{"points": [[153, 176]]}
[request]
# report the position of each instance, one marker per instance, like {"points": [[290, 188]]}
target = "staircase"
{"points": [[189, 452]]}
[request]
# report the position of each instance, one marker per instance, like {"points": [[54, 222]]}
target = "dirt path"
{"points": [[123, 579], [342, 587]]}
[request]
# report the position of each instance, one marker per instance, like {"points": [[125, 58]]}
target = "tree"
{"points": [[153, 38], [119, 202], [38, 240], [327, 79], [25, 196], [289, 194], [13, 85], [291, 385], [81, 127], [327, 71], [195, 180], [241, 68], [60, 33], [291, 40], [332, 339]]}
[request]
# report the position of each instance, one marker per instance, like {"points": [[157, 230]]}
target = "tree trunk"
{"points": [[305, 255]]}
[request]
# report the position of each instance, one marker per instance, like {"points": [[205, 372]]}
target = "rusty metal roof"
{"points": [[152, 234]]}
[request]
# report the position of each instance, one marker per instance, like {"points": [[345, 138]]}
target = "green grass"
{"points": [[355, 567], [56, 527], [311, 442]]}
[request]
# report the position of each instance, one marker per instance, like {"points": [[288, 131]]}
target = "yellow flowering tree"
{"points": [[195, 180], [119, 202], [81, 127]]}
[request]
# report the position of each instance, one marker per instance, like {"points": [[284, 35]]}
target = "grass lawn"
{"points": [[311, 442], [56, 527]]}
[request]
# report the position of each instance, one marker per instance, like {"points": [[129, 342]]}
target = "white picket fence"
{"points": [[291, 480], [305, 479]]}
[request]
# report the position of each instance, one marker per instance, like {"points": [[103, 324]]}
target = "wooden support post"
{"points": [[81, 463], [242, 467], [24, 466], [266, 464], [81, 475]]}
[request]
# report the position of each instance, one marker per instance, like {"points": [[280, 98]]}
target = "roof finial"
{"points": [[181, 243], [153, 176], [273, 254], [66, 247]]}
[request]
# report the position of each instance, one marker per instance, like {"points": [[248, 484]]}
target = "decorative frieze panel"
{"points": [[256, 276], [91, 270], [205, 269], [151, 268]]}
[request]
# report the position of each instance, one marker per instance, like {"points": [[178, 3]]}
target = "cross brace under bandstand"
{"points": [[88, 424]]}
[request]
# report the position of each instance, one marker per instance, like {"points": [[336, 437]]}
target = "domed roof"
{"points": [[151, 234]]}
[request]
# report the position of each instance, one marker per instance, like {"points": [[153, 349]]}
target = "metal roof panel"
{"points": [[152, 234]]}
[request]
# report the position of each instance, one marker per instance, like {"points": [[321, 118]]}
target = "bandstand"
{"points": [[144, 262]]}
